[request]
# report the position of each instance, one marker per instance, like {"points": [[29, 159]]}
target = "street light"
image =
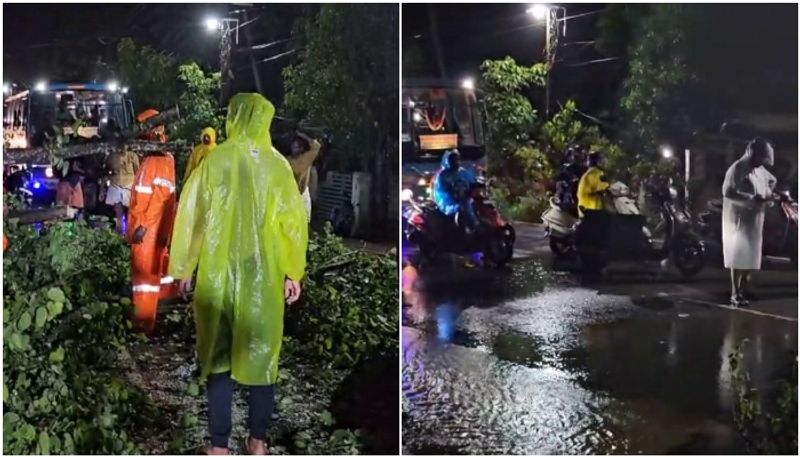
{"points": [[468, 83], [538, 11], [666, 152], [113, 86], [212, 24], [124, 90], [6, 88], [40, 86]]}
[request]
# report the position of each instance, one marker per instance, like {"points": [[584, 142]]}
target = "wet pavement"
{"points": [[530, 360]]}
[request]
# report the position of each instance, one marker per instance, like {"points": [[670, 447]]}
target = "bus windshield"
{"points": [[437, 119]]}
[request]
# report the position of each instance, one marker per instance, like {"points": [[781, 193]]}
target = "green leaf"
{"points": [[55, 308], [44, 443], [24, 321], [57, 355], [41, 317], [16, 341], [193, 389], [189, 420], [56, 295], [327, 418]]}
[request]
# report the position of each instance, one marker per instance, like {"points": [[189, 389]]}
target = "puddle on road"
{"points": [[567, 370]]}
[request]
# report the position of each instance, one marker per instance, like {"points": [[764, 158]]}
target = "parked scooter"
{"points": [[561, 224], [603, 237], [619, 232], [436, 233], [780, 233]]}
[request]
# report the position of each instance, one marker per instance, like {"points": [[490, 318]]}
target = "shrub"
{"points": [[349, 307], [64, 327]]}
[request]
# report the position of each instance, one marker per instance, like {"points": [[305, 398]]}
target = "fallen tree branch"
{"points": [[41, 156]]}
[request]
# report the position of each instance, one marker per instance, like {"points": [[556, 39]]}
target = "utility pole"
{"points": [[437, 44], [228, 27], [248, 39], [554, 27]]}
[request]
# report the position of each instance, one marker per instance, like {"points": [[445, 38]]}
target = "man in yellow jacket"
{"points": [[208, 142], [592, 185]]}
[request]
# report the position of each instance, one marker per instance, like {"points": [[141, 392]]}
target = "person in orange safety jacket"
{"points": [[151, 216]]}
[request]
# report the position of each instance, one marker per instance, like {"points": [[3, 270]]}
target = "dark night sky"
{"points": [[754, 42], [36, 36]]}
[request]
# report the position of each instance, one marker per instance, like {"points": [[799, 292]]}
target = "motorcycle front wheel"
{"points": [[689, 258], [501, 248]]}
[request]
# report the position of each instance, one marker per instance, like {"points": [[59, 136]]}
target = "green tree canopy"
{"points": [[151, 76]]}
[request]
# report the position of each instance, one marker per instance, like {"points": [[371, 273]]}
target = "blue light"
{"points": [[37, 185]]}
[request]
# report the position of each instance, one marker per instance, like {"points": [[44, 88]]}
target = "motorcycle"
{"points": [[561, 221], [780, 232], [619, 232], [435, 233]]}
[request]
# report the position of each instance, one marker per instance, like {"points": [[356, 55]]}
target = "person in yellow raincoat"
{"points": [[208, 142], [242, 223], [592, 185]]}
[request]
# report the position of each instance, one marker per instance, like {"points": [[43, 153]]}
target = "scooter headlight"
{"points": [[407, 195]]}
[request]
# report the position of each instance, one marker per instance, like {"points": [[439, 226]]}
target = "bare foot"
{"points": [[214, 450], [256, 447]]}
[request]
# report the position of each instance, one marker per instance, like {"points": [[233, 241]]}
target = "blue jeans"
{"points": [[260, 402]]}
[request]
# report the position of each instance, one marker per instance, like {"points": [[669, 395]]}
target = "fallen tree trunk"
{"points": [[31, 216], [40, 156]]}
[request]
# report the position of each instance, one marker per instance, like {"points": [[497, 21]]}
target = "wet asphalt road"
{"points": [[531, 360]]}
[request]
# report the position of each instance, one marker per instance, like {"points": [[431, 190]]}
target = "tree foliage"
{"points": [[345, 79], [198, 103], [511, 117], [349, 307], [523, 150], [657, 91], [63, 328], [150, 75]]}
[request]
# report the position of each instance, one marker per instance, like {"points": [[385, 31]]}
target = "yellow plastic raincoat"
{"points": [[589, 188], [242, 223], [200, 151]]}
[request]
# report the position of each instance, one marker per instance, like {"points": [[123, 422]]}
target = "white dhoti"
{"points": [[743, 215]]}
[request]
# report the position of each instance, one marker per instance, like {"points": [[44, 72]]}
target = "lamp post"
{"points": [[227, 27], [555, 25]]}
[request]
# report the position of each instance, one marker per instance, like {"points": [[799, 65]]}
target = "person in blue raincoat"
{"points": [[451, 191]]}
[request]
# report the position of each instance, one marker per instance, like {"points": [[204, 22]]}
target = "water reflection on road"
{"points": [[526, 362]]}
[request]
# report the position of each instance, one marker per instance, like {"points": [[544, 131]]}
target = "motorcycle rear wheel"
{"points": [[561, 248]]}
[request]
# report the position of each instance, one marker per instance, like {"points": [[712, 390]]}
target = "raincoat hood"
{"points": [[249, 116], [446, 159], [211, 133]]}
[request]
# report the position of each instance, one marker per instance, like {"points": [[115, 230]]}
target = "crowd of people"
{"points": [[234, 241], [581, 185]]}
